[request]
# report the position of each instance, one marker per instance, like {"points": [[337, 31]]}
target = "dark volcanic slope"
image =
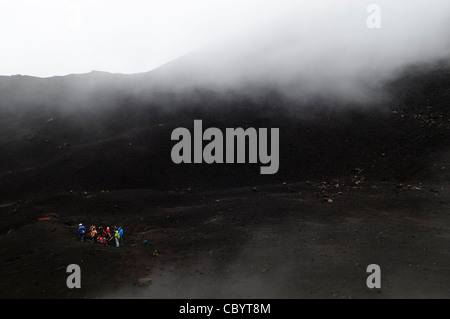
{"points": [[94, 131], [309, 237]]}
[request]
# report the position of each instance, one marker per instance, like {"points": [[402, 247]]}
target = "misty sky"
{"points": [[57, 37]]}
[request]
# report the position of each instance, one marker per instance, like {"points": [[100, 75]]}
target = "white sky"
{"points": [[57, 37]]}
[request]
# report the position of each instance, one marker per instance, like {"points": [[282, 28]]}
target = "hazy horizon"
{"points": [[61, 37], [341, 51]]}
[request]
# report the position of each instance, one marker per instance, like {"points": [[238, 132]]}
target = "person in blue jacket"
{"points": [[121, 234], [81, 231]]}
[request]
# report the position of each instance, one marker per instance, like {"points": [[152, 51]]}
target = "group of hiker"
{"points": [[101, 235]]}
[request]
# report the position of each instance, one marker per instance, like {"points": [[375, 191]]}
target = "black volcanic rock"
{"points": [[112, 131]]}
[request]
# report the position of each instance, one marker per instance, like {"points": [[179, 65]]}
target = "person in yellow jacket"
{"points": [[117, 237]]}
